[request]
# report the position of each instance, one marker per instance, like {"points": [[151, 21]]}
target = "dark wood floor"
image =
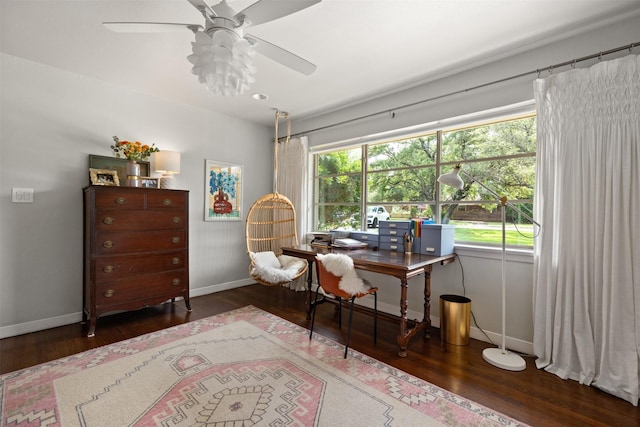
{"points": [[531, 396]]}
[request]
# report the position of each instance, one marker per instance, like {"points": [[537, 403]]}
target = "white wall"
{"points": [[51, 121], [482, 268], [611, 35]]}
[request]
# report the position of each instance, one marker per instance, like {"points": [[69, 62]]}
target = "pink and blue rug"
{"points": [[242, 368]]}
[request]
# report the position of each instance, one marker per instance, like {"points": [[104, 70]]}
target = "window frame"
{"points": [[504, 115]]}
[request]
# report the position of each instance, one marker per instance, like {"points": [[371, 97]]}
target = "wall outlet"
{"points": [[22, 195]]}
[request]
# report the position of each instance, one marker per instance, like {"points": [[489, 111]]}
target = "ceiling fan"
{"points": [[223, 52]]}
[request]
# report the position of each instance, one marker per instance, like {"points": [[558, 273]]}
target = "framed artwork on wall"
{"points": [[223, 191], [116, 164]]}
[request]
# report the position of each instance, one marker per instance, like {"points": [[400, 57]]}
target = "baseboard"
{"points": [[40, 325], [206, 290], [514, 344], [69, 319]]}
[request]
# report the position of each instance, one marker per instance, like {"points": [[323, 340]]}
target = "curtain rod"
{"points": [[537, 71]]}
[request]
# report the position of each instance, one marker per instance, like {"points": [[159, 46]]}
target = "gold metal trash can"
{"points": [[455, 319]]}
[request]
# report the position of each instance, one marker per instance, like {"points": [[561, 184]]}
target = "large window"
{"points": [[357, 187]]}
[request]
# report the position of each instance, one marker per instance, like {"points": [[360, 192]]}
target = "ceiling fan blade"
{"points": [[150, 27], [203, 6], [268, 10], [281, 56]]}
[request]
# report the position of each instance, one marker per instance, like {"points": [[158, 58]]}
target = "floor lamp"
{"points": [[498, 357]]}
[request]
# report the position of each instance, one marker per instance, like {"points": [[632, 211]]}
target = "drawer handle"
{"points": [[108, 244], [365, 237], [175, 282], [393, 232], [121, 201], [392, 225], [108, 269], [175, 239], [109, 293], [394, 239], [394, 248], [167, 202], [176, 220], [175, 260], [109, 220]]}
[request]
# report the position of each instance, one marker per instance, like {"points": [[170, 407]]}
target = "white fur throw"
{"points": [[272, 269], [266, 259], [342, 266]]}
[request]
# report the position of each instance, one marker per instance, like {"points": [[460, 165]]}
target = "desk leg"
{"points": [[427, 301], [405, 332], [403, 338], [309, 291]]}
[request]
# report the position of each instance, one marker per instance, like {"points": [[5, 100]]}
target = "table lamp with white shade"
{"points": [[168, 164]]}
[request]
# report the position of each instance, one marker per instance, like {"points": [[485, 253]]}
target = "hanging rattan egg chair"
{"points": [[270, 226]]}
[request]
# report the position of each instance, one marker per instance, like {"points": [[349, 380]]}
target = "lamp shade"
{"points": [[167, 162], [452, 179]]}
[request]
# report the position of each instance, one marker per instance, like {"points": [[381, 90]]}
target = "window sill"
{"points": [[492, 252]]}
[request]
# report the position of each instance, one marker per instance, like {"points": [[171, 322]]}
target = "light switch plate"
{"points": [[22, 195]]}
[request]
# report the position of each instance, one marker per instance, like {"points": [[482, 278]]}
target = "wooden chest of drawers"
{"points": [[135, 249]]}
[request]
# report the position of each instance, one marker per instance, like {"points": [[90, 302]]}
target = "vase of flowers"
{"points": [[132, 171], [135, 152]]}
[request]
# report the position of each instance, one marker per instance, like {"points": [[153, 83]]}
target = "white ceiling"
{"points": [[362, 48]]}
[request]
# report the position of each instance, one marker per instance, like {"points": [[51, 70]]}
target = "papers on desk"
{"points": [[321, 240], [348, 243]]}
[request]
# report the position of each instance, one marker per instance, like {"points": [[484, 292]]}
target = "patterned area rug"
{"points": [[241, 368]]}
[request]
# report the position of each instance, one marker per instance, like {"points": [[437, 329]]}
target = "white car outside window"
{"points": [[375, 214]]}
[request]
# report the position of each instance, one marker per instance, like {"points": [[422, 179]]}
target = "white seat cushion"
{"points": [[266, 259], [284, 269]]}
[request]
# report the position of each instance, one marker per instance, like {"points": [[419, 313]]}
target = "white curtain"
{"points": [[587, 199], [291, 179]]}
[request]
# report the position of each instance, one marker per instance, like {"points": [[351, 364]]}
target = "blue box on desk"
{"points": [[370, 239], [437, 239]]}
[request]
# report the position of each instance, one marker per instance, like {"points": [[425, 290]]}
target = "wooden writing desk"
{"points": [[396, 264]]}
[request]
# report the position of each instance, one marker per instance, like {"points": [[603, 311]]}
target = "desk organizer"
{"points": [[370, 239], [391, 234]]}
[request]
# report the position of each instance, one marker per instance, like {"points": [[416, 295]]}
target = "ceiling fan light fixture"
{"points": [[223, 61], [222, 53]]}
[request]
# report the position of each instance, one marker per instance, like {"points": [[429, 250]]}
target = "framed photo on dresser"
{"points": [[104, 177], [116, 164], [148, 182]]}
